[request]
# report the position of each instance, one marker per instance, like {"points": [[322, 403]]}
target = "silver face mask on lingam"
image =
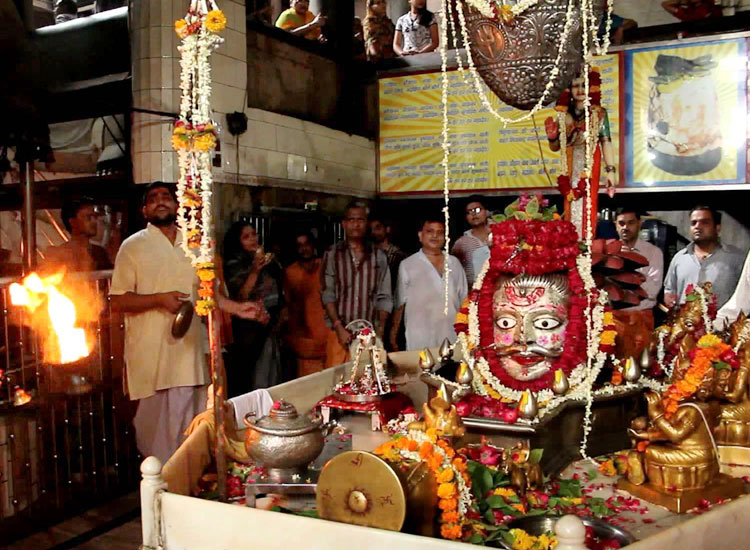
{"points": [[530, 315]]}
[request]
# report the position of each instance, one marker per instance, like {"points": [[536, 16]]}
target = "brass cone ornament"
{"points": [[443, 394], [426, 360], [561, 384], [527, 407], [632, 371], [464, 375], [445, 350], [646, 361]]}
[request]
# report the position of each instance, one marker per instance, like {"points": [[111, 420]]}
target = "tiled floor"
{"points": [[116, 526]]}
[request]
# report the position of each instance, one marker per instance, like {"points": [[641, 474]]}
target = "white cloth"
{"points": [[478, 258], [740, 300], [257, 401], [147, 263], [654, 273], [416, 36], [162, 418], [421, 290]]}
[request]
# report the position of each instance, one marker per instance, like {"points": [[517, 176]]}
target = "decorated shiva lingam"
{"points": [[675, 459], [284, 442], [532, 361], [368, 380]]}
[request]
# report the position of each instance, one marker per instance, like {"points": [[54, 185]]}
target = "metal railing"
{"points": [[72, 446]]}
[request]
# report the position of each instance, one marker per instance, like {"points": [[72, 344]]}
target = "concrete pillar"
{"points": [[156, 80]]}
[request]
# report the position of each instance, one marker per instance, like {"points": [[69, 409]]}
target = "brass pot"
{"points": [[284, 442], [515, 59]]}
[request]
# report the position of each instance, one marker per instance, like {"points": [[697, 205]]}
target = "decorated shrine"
{"points": [[554, 415]]}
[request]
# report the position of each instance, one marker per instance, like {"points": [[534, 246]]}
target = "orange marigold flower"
{"points": [[434, 462], [181, 28], [520, 507], [447, 504], [608, 468], [451, 532], [446, 490], [425, 449], [431, 433], [459, 464], [216, 21], [449, 517], [445, 476], [412, 445], [402, 443]]}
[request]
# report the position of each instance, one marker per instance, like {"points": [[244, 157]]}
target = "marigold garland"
{"points": [[194, 139], [710, 353], [454, 483]]}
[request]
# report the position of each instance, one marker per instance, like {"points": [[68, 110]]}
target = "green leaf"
{"points": [[511, 209], [532, 207], [508, 537], [536, 512], [500, 479], [499, 218], [535, 456], [487, 480], [720, 365], [554, 502], [691, 297], [477, 539], [489, 516], [496, 501], [570, 488], [520, 215], [591, 475]]}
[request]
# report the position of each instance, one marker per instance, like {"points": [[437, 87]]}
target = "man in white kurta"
{"points": [[420, 291], [168, 375]]}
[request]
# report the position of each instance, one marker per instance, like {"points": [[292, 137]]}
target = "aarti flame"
{"points": [[69, 342]]}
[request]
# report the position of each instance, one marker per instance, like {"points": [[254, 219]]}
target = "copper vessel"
{"points": [[284, 442], [515, 59]]}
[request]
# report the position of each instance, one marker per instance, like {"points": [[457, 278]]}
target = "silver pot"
{"points": [[284, 442]]}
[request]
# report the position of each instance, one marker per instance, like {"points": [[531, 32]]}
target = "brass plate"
{"points": [[358, 398], [360, 488], [722, 487]]}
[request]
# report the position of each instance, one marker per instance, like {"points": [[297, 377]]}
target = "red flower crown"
{"points": [[533, 247]]}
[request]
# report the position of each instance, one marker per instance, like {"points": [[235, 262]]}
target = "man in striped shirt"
{"points": [[355, 284], [475, 237]]}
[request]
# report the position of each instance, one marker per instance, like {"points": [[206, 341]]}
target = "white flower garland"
{"points": [[707, 322]]}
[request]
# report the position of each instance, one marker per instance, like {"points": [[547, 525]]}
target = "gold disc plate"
{"points": [[360, 488]]}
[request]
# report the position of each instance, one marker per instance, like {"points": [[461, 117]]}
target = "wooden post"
{"points": [[217, 379], [151, 485]]}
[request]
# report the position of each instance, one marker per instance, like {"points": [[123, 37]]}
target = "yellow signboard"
{"points": [[485, 155], [687, 107]]}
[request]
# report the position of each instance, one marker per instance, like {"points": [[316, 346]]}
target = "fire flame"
{"points": [[70, 340]]}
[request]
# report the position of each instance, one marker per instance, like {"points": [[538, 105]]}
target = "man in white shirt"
{"points": [[636, 323], [420, 291], [477, 236], [151, 280]]}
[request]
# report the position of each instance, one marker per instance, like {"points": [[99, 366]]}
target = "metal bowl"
{"points": [[182, 319], [537, 525]]}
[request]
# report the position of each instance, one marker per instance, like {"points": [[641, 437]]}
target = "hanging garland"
{"points": [[194, 138]]}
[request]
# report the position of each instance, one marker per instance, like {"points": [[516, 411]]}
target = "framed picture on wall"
{"points": [[686, 114]]}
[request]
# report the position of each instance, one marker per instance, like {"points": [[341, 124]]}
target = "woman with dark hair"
{"points": [[416, 30], [251, 274]]}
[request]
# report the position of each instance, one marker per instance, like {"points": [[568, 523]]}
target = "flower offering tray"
{"points": [[380, 411]]}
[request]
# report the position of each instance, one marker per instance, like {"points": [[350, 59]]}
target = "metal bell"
{"points": [[527, 407], [561, 384], [632, 371]]}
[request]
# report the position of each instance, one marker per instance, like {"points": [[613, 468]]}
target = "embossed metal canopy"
{"points": [[516, 59]]}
